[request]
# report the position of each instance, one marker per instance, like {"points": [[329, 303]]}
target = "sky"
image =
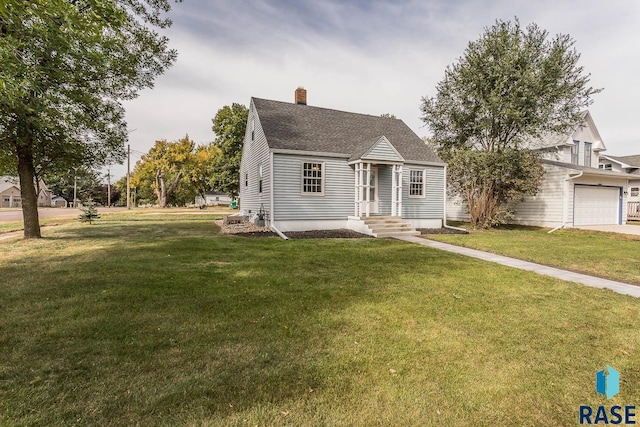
{"points": [[368, 56]]}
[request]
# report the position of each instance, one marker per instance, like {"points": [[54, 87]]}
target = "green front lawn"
{"points": [[163, 321], [610, 255]]}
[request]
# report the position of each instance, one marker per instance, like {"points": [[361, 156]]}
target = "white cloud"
{"points": [[370, 57]]}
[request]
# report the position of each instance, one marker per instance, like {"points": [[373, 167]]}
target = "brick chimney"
{"points": [[301, 96]]}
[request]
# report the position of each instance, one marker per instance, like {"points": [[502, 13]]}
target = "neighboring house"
{"points": [[213, 198], [59, 202], [575, 190], [10, 193], [311, 168], [627, 164]]}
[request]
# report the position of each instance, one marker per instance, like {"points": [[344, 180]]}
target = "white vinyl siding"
{"points": [[312, 179], [255, 155], [416, 183], [545, 208], [290, 204], [431, 206], [382, 150]]}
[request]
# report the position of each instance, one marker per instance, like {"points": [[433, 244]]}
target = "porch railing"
{"points": [[633, 210]]}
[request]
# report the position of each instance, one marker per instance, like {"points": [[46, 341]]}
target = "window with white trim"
{"points": [[312, 178], [416, 183], [260, 172], [587, 154], [246, 179], [574, 152], [634, 191]]}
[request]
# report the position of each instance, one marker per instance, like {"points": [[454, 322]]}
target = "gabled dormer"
{"points": [[582, 146]]}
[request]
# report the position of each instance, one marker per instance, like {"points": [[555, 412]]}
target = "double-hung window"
{"points": [[312, 178], [416, 183], [587, 154], [574, 152]]}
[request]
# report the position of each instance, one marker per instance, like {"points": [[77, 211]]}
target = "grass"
{"points": [[160, 320], [610, 255]]}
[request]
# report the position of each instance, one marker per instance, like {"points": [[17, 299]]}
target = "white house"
{"points": [[311, 168], [631, 165], [626, 164], [213, 198], [575, 190], [10, 193]]}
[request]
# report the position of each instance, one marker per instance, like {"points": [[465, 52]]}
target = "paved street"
{"points": [[12, 215]]}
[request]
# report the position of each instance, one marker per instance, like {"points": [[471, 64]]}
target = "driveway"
{"points": [[622, 229]]}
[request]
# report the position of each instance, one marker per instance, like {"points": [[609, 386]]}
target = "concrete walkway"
{"points": [[622, 229], [596, 282]]}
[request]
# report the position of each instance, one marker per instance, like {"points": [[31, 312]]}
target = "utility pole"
{"points": [[75, 186], [109, 186], [128, 176]]}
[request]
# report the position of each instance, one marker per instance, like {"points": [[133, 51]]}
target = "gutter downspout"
{"points": [[444, 216], [278, 232], [272, 227], [565, 212]]}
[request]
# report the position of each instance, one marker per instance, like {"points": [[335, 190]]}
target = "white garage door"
{"points": [[596, 205]]}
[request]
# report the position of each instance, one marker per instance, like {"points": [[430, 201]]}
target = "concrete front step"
{"points": [[389, 226], [385, 234]]}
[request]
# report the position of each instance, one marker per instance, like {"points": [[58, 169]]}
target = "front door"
{"points": [[373, 191]]}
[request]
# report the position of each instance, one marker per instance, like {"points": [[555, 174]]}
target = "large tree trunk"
{"points": [[26, 172], [161, 189]]}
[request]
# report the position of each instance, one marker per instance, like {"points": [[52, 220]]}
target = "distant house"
{"points": [[630, 165], [10, 193], [625, 164], [213, 198], [59, 202], [576, 190], [311, 168]]}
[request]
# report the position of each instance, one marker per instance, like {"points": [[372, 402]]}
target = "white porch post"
{"points": [[394, 193], [397, 190], [367, 187], [358, 189]]}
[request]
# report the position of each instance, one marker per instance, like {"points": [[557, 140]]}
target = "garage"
{"points": [[595, 205]]}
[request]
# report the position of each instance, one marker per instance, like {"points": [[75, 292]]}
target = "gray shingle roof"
{"points": [[629, 160], [588, 170], [305, 128]]}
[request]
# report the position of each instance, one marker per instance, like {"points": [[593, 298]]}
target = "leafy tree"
{"points": [[511, 86], [229, 125], [174, 172], [199, 177], [162, 168], [66, 67]]}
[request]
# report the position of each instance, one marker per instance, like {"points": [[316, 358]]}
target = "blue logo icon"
{"points": [[608, 383]]}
